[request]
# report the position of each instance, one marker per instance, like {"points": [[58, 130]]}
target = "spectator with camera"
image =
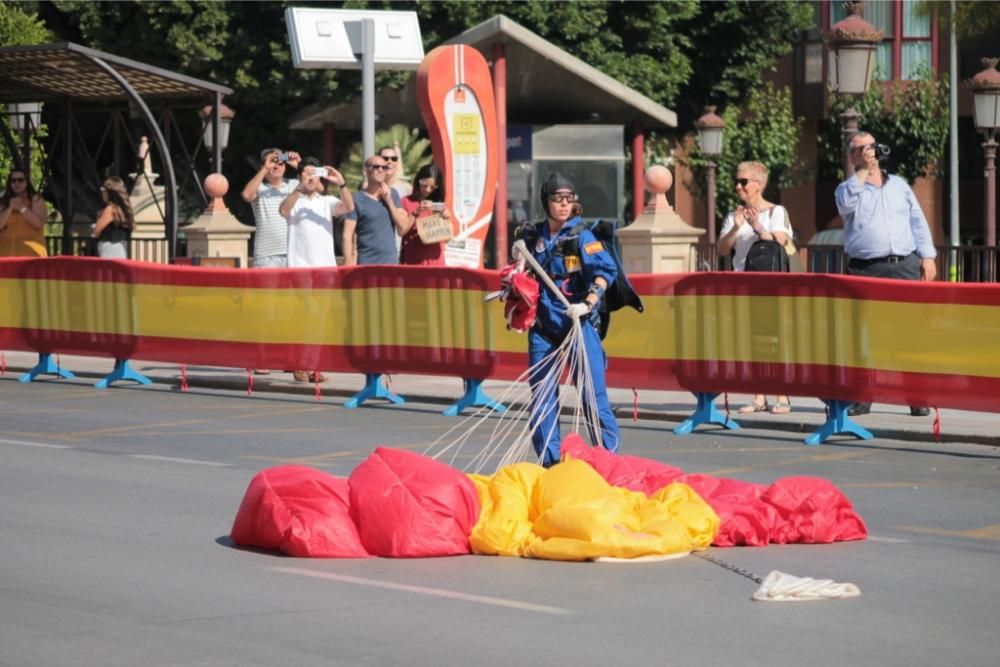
{"points": [[885, 232], [426, 201], [265, 192], [370, 230], [310, 212], [755, 219]]}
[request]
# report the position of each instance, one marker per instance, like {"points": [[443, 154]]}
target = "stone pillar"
{"points": [[659, 241], [217, 232], [148, 202]]}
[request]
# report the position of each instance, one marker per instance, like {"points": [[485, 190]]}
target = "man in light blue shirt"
{"points": [[885, 233]]}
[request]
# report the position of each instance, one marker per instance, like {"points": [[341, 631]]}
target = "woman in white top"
{"points": [[755, 219]]}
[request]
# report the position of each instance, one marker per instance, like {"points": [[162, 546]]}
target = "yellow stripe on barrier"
{"points": [[805, 330]]}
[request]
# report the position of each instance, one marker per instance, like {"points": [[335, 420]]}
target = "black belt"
{"points": [[888, 259]]}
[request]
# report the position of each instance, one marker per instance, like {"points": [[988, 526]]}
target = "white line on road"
{"points": [[44, 445], [888, 540], [424, 590], [173, 459]]}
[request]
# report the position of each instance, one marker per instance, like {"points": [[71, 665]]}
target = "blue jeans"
{"points": [[545, 434]]}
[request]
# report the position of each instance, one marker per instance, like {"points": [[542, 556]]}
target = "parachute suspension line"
{"points": [[518, 393]]}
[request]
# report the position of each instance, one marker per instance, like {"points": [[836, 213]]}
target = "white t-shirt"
{"points": [[773, 219], [271, 237], [310, 231]]}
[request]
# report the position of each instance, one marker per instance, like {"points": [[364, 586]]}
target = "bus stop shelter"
{"points": [[67, 79]]}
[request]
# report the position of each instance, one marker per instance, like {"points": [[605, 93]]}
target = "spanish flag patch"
{"points": [[593, 247]]}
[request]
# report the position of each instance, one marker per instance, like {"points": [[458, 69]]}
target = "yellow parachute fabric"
{"points": [[569, 512]]}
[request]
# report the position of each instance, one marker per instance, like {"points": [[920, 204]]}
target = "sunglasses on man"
{"points": [[378, 167]]}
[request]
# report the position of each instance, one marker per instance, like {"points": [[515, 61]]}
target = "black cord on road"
{"points": [[729, 566]]}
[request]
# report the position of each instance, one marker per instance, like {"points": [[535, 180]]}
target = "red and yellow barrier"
{"points": [[800, 334]]}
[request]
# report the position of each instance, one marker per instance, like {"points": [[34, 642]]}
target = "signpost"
{"points": [[355, 39], [455, 94]]}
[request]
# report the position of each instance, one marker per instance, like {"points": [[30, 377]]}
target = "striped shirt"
{"points": [[271, 237]]}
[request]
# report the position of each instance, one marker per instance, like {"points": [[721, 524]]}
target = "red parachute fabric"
{"points": [[407, 505], [301, 511], [521, 305], [804, 510]]}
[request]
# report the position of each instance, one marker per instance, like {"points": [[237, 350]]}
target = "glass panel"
{"points": [[913, 24], [914, 55], [600, 185], [883, 62], [879, 14], [813, 65]]}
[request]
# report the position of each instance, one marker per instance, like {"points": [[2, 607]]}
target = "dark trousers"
{"points": [[905, 268]]}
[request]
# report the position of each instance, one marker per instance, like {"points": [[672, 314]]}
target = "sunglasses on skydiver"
{"points": [[391, 158], [562, 199]]}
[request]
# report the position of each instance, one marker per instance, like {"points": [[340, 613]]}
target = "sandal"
{"points": [[781, 407], [752, 407]]}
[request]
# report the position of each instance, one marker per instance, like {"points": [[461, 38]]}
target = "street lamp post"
{"points": [[710, 128], [986, 95], [853, 41], [217, 119], [25, 118]]}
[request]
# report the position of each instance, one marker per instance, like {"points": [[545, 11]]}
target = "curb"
{"points": [[757, 423]]}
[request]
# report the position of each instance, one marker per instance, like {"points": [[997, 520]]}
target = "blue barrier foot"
{"points": [[45, 366], [373, 389], [705, 413], [474, 397], [838, 423], [122, 371]]}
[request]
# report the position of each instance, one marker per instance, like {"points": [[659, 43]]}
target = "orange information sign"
{"points": [[455, 93]]}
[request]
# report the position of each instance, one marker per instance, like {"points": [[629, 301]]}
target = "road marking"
{"points": [[888, 540], [23, 443], [815, 458], [991, 533], [174, 459], [78, 435], [424, 590]]}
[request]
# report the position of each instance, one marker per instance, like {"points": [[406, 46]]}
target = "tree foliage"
{"points": [[910, 117], [681, 54], [21, 28], [766, 130], [414, 152]]}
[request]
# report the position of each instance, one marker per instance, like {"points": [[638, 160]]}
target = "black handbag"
{"points": [[767, 256]]}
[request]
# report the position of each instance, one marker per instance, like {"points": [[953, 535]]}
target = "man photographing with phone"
{"points": [[885, 232]]}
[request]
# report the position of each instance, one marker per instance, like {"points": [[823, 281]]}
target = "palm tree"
{"points": [[414, 153]]}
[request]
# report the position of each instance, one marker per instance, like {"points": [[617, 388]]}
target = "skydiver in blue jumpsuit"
{"points": [[583, 268]]}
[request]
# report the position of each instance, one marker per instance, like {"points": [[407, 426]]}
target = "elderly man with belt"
{"points": [[885, 233]]}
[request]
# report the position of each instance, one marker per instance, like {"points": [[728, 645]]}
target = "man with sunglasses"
{"points": [[583, 268], [394, 172], [885, 232], [370, 230]]}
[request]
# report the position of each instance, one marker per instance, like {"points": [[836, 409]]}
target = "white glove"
{"points": [[576, 310]]}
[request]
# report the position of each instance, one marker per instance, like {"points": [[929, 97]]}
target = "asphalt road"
{"points": [[115, 509]]}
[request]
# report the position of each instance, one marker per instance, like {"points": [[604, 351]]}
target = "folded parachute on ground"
{"points": [[805, 510], [300, 511], [569, 512], [407, 505]]}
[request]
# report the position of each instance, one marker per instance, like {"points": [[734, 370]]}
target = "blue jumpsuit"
{"points": [[574, 274]]}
